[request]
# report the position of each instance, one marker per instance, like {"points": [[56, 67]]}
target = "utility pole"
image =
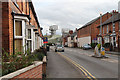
{"points": [[101, 28]]}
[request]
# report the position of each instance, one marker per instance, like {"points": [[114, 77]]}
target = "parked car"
{"points": [[59, 48], [87, 46]]}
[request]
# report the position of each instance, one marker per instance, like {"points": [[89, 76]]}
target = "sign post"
{"points": [[45, 41]]}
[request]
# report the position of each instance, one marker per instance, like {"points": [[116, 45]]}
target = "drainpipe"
{"points": [[29, 12], [13, 14]]}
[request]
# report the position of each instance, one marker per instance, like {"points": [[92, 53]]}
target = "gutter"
{"points": [[13, 14]]}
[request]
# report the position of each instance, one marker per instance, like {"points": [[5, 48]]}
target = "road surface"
{"points": [[85, 64]]}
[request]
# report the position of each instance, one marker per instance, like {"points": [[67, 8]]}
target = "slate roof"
{"points": [[115, 18]]}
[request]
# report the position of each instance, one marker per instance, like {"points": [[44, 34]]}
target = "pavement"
{"points": [[59, 67]]}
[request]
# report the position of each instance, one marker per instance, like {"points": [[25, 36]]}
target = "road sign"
{"points": [[45, 40]]}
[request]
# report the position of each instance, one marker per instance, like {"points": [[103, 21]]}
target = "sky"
{"points": [[70, 14]]}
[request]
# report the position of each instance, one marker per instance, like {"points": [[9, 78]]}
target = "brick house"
{"points": [[111, 32], [87, 34], [20, 27]]}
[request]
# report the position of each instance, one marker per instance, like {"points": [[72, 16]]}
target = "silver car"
{"points": [[59, 48], [87, 46]]}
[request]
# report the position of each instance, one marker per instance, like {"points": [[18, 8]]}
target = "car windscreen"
{"points": [[59, 45]]}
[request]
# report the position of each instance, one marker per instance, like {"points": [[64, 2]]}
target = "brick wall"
{"points": [[33, 73], [5, 26], [7, 21], [92, 30]]}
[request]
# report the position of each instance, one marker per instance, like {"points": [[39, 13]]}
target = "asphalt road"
{"points": [[58, 67], [99, 68]]}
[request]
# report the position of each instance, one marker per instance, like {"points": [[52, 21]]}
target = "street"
{"points": [[81, 64]]}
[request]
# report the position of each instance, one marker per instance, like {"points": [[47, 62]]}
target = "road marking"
{"points": [[84, 71], [110, 60]]}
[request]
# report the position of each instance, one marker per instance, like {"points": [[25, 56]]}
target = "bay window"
{"points": [[18, 36]]}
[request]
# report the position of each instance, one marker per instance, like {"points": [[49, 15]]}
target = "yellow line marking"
{"points": [[91, 77]]}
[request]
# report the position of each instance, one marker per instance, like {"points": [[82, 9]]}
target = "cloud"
{"points": [[70, 13]]}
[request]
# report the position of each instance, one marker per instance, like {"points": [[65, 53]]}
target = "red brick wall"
{"points": [[84, 32], [33, 73], [94, 29], [111, 29], [5, 26], [91, 30], [7, 22]]}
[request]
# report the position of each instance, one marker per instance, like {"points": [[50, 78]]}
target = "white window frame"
{"points": [[107, 28], [23, 37], [113, 27], [23, 33]]}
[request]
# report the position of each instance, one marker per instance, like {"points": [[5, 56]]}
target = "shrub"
{"points": [[19, 60]]}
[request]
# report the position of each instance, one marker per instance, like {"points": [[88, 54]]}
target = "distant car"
{"points": [[59, 48], [87, 46]]}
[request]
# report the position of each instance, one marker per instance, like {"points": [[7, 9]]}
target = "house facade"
{"points": [[87, 34], [111, 32], [20, 27]]}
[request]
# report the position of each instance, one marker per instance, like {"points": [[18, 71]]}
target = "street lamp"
{"points": [[101, 28]]}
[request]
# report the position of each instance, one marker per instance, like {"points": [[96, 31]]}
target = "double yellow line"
{"points": [[84, 71]]}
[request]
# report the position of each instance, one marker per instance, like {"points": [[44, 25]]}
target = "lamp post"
{"points": [[101, 28]]}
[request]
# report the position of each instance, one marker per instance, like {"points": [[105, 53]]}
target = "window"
{"points": [[113, 27], [29, 40], [18, 36], [107, 29], [29, 45], [29, 33], [103, 30], [18, 45], [18, 28]]}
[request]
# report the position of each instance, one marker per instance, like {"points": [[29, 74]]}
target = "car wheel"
{"points": [[62, 50]]}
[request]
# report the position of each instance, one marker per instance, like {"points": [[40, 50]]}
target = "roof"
{"points": [[114, 19], [35, 15], [92, 21], [89, 23]]}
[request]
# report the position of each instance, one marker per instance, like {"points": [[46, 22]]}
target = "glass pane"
{"points": [[18, 28], [29, 45], [29, 33], [18, 45]]}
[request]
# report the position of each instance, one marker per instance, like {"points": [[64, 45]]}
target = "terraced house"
{"points": [[111, 32], [20, 26], [87, 34]]}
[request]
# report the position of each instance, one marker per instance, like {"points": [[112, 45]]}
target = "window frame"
{"points": [[107, 28], [113, 27]]}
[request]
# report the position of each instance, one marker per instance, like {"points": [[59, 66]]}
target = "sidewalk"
{"points": [[113, 53], [107, 52]]}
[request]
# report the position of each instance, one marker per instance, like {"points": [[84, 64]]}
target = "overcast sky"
{"points": [[70, 13]]}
